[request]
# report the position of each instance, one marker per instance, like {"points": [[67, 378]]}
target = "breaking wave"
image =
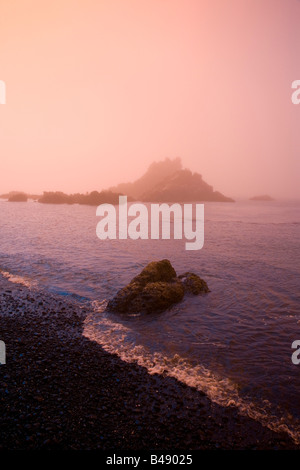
{"points": [[117, 338], [15, 279]]}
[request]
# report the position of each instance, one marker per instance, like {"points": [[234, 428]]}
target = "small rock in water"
{"points": [[193, 283]]}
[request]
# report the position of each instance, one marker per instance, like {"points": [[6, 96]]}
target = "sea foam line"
{"points": [[15, 279], [116, 338]]}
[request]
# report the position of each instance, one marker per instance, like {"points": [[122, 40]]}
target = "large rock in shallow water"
{"points": [[155, 289], [157, 271]]}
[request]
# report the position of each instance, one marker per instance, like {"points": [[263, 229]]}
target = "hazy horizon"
{"points": [[97, 91], [237, 198]]}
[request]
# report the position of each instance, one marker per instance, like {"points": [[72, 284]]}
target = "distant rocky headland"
{"points": [[164, 181]]}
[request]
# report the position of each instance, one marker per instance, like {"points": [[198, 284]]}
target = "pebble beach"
{"points": [[61, 391]]}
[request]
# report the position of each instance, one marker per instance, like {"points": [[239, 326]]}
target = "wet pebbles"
{"points": [[61, 391]]}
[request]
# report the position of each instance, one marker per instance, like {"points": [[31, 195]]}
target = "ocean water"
{"points": [[233, 343]]}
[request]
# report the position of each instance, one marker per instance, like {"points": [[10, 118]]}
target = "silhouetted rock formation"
{"points": [[264, 197], [18, 197], [156, 172], [184, 186], [55, 198], [166, 181], [155, 289], [92, 199]]}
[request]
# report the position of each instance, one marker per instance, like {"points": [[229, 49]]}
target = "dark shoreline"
{"points": [[61, 391]]}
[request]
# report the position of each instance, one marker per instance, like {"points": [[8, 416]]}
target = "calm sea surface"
{"points": [[233, 343]]}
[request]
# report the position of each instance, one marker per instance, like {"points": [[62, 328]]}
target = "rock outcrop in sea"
{"points": [[167, 181], [184, 186], [91, 199], [156, 289], [263, 197], [18, 197], [156, 173]]}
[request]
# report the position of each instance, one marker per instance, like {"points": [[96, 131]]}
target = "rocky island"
{"points": [[164, 181], [167, 181], [94, 198], [18, 197], [184, 186]]}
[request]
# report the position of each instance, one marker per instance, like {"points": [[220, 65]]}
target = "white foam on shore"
{"points": [[24, 281], [116, 338]]}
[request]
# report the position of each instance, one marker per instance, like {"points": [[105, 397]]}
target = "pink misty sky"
{"points": [[98, 89]]}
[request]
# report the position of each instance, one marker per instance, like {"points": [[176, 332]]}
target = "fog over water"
{"points": [[96, 91]]}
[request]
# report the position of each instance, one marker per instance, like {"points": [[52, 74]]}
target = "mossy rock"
{"points": [[193, 284], [155, 289], [157, 271], [157, 297]]}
